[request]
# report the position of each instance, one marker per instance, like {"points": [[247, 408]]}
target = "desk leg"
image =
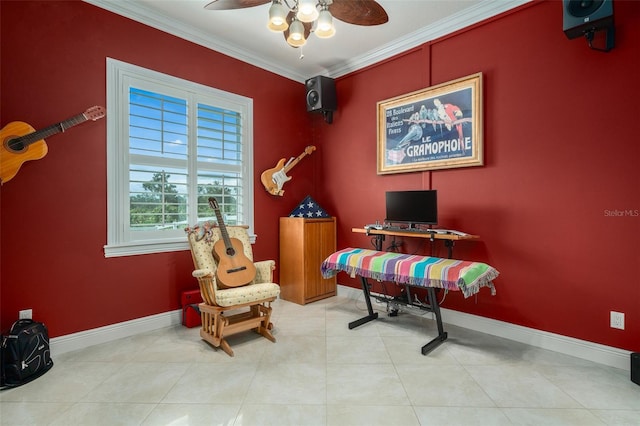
{"points": [[378, 242], [367, 297], [442, 335], [449, 244]]}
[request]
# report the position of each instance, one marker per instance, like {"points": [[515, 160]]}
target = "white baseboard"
{"points": [[82, 339], [583, 349], [595, 352]]}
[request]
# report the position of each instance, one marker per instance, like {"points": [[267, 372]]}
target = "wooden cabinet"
{"points": [[304, 244]]}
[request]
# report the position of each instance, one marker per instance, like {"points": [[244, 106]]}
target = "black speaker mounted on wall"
{"points": [[321, 96], [583, 18]]}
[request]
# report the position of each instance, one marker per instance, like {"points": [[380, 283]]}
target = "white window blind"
{"points": [[172, 144]]}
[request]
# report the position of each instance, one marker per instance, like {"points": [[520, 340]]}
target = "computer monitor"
{"points": [[412, 207]]}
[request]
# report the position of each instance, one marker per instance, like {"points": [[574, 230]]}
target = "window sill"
{"points": [[132, 249], [150, 247]]}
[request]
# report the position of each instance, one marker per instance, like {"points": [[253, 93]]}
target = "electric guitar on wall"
{"points": [[234, 268], [21, 142], [273, 179]]}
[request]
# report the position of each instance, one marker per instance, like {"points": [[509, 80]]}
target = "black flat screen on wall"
{"points": [[413, 207]]}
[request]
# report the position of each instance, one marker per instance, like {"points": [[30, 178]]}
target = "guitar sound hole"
{"points": [[231, 251], [14, 145]]}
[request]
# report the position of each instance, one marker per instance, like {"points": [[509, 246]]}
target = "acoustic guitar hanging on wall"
{"points": [[274, 179], [21, 142]]}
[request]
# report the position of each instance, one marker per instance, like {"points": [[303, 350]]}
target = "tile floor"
{"points": [[321, 373]]}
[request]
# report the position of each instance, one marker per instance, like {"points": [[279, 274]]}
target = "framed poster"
{"points": [[439, 127]]}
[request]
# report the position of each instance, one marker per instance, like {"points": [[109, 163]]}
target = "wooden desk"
{"points": [[449, 239]]}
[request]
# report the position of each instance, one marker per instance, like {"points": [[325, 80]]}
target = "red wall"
{"points": [[561, 148], [53, 213], [560, 132]]}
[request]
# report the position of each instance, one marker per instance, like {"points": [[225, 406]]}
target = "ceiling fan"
{"points": [[301, 17]]}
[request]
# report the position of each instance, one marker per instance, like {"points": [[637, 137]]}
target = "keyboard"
{"points": [[411, 230]]}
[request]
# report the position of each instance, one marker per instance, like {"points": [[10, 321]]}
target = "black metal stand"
{"points": [[367, 297], [449, 245], [433, 306], [377, 241], [609, 36]]}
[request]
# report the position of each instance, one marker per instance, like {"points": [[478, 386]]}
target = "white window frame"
{"points": [[120, 77]]}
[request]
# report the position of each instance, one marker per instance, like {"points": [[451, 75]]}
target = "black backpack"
{"points": [[25, 353]]}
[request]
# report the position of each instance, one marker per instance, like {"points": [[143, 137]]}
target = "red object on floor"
{"points": [[190, 312]]}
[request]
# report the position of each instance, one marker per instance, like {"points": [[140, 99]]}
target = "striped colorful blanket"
{"points": [[422, 271]]}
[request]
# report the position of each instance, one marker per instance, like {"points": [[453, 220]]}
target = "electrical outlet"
{"points": [[617, 320], [26, 314]]}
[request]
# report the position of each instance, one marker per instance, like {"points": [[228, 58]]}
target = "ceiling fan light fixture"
{"points": [[296, 19], [307, 11], [324, 25], [277, 17], [296, 34]]}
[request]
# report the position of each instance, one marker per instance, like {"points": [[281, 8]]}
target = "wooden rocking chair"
{"points": [[256, 296]]}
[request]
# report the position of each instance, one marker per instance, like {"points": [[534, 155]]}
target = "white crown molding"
{"points": [[456, 22], [478, 13], [149, 17]]}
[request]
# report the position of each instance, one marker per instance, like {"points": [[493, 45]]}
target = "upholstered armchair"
{"points": [[253, 300]]}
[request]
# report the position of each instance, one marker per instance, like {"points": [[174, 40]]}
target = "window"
{"points": [[172, 144]]}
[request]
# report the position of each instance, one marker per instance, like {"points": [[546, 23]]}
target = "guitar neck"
{"points": [[223, 230], [49, 131], [294, 162]]}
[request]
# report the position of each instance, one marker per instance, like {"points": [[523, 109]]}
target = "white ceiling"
{"points": [[243, 34]]}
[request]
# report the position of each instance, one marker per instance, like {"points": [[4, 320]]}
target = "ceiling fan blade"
{"points": [[234, 4], [359, 12]]}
